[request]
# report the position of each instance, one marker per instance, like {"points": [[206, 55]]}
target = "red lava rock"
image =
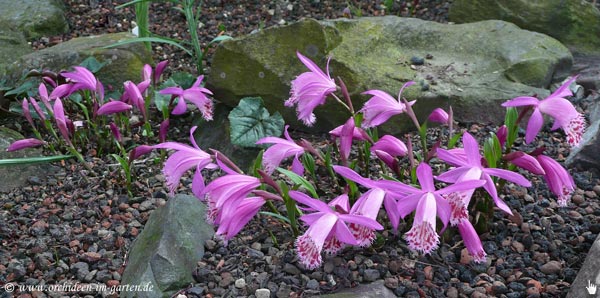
{"points": [[134, 231], [536, 284], [123, 206], [465, 257], [106, 224], [112, 283], [40, 224], [91, 257], [428, 272]]}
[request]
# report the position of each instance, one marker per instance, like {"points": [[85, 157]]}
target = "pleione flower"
{"points": [[382, 106], [556, 106], [325, 225], [472, 241], [196, 95], [439, 116], [309, 90], [280, 150], [185, 158], [558, 179], [113, 107], [469, 163]]}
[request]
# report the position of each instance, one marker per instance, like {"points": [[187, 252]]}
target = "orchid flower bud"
{"points": [[502, 133], [160, 68], [26, 112], [162, 132], [23, 144], [439, 116], [115, 132]]}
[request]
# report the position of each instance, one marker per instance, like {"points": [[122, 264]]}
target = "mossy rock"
{"points": [[574, 23], [35, 18], [474, 67]]}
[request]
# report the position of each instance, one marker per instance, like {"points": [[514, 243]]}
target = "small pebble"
{"points": [[262, 293], [240, 283]]}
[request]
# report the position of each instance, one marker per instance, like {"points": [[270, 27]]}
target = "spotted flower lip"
{"points": [[282, 148], [309, 90], [382, 106], [556, 106], [326, 228], [196, 94]]}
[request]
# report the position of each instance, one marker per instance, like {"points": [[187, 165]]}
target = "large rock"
{"points": [[35, 18], [588, 274], [574, 23], [474, 67], [17, 175], [166, 252], [123, 63], [12, 44]]}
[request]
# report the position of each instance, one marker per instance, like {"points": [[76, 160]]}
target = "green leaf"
{"points": [[32, 160], [183, 79], [299, 180], [92, 64], [275, 215], [131, 3], [24, 88], [150, 39], [511, 123], [220, 38], [250, 121], [452, 142]]}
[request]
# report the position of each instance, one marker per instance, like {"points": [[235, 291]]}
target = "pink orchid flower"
{"points": [[525, 161], [37, 108], [309, 90], [428, 203], [556, 106], [26, 112], [133, 95], [23, 144], [469, 163], [325, 225], [282, 149], [115, 132], [196, 95], [244, 211], [502, 134], [390, 190], [472, 241], [558, 179], [382, 106], [81, 79], [185, 158]]}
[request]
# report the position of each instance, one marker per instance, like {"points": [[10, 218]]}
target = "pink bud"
{"points": [[525, 161], [439, 116], [115, 131], [113, 107], [162, 132], [138, 151], [26, 112], [26, 143], [502, 133], [146, 72], [160, 67]]}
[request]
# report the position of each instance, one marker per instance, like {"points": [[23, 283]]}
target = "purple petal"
{"points": [[425, 176], [534, 125], [509, 176], [521, 101], [160, 68], [113, 107], [564, 90], [310, 202], [25, 143], [471, 149]]}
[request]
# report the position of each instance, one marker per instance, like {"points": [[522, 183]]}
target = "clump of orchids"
{"points": [[405, 191], [76, 107]]}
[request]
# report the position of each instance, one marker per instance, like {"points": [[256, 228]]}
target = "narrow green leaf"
{"points": [[275, 215], [220, 38], [149, 39], [251, 121], [452, 142], [299, 180], [33, 160]]}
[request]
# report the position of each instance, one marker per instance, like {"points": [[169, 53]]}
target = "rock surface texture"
{"points": [[574, 23], [35, 18], [473, 67], [122, 63], [17, 175], [167, 250], [589, 273]]}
